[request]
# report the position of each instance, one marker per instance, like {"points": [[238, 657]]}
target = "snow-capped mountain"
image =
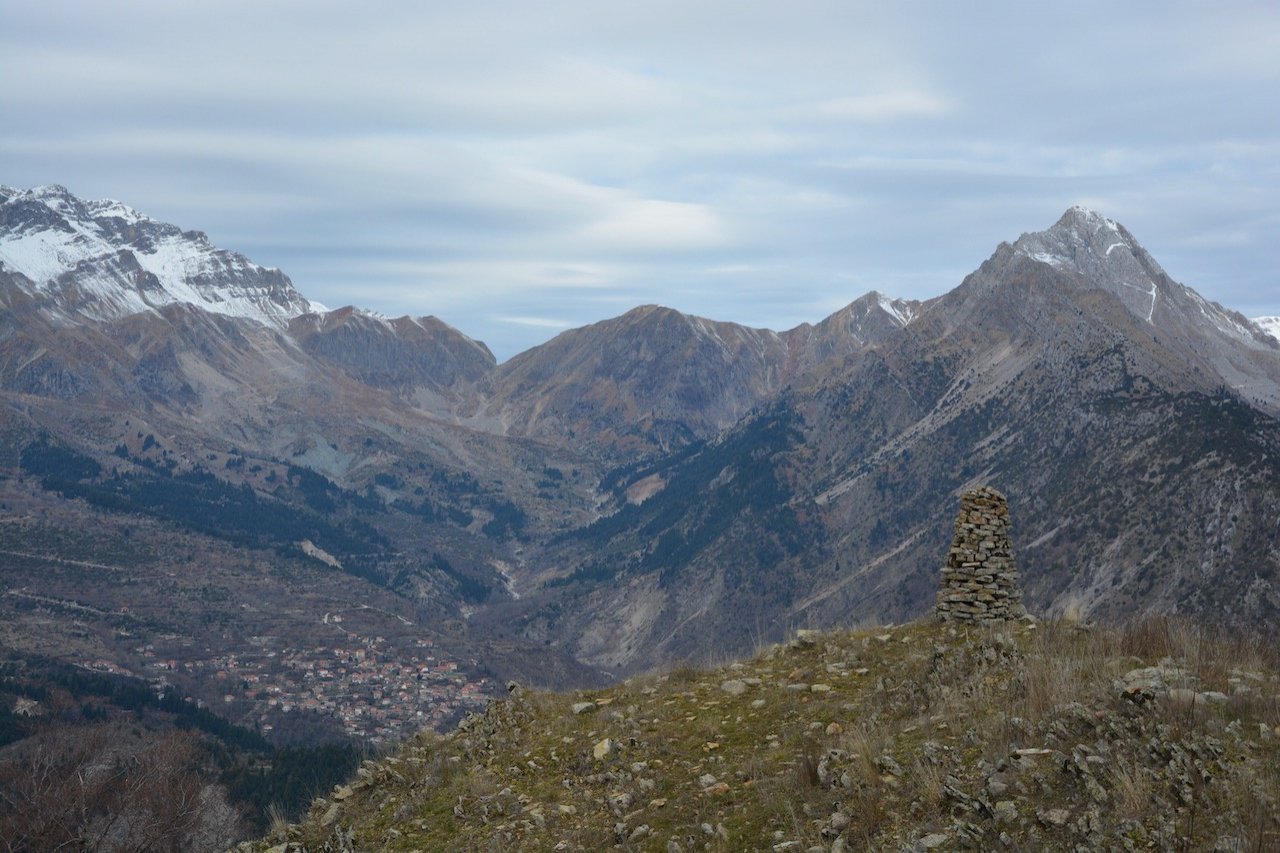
{"points": [[1270, 325], [103, 260], [1101, 254]]}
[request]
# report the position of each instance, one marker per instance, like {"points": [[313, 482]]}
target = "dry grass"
{"points": [[949, 704]]}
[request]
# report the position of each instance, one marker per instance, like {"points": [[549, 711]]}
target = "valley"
{"points": [[332, 526]]}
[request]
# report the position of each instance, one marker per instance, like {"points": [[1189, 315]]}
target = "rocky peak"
{"points": [[1102, 252], [47, 234]]}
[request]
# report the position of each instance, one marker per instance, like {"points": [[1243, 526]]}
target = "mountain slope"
{"points": [[760, 480], [1138, 479], [655, 379], [1026, 737]]}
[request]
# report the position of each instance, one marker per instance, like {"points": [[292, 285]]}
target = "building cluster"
{"points": [[376, 691]]}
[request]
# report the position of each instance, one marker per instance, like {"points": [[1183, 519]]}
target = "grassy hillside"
{"points": [[1028, 736]]}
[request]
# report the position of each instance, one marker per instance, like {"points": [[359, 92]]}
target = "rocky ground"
{"points": [[1025, 736]]}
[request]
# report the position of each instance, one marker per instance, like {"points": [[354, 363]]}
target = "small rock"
{"points": [[706, 780], [934, 839], [1006, 812], [640, 832], [583, 707], [1053, 817], [604, 749], [758, 703], [834, 729], [820, 688], [734, 687], [887, 764], [807, 637]]}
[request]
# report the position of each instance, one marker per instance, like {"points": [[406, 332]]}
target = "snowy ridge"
{"points": [[1270, 325], [901, 310], [104, 260]]}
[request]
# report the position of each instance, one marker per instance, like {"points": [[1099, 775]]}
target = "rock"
{"points": [[583, 707], [887, 764], [734, 687], [836, 824], [1053, 817], [933, 839], [620, 803], [1005, 812], [603, 749], [805, 639], [820, 688]]}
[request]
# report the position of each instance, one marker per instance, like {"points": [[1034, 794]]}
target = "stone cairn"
{"points": [[980, 580]]}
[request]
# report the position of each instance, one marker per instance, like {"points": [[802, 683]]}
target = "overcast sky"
{"points": [[520, 168]]}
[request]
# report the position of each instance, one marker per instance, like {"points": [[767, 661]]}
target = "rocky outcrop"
{"points": [[980, 580]]}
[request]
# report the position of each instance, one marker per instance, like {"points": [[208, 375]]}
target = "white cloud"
{"points": [[652, 225], [537, 322], [884, 106]]}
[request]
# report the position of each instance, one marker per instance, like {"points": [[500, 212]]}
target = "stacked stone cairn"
{"points": [[980, 580]]}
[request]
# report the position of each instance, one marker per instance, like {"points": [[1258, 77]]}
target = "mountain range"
{"points": [[649, 488]]}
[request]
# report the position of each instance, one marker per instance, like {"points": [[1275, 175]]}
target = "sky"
{"points": [[520, 168]]}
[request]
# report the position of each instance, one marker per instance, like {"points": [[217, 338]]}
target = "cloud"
{"points": [[653, 225], [883, 106], [756, 162], [537, 322]]}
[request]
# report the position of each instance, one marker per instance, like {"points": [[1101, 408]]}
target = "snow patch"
{"points": [[1048, 258], [897, 309], [1270, 325], [87, 237]]}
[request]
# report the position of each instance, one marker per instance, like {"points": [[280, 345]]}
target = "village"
{"points": [[376, 690]]}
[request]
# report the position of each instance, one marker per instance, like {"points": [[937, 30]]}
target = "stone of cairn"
{"points": [[980, 580]]}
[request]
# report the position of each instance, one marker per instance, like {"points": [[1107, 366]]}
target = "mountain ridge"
{"points": [[655, 485]]}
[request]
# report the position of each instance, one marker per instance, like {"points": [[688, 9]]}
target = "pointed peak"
{"points": [[1081, 239], [1080, 216]]}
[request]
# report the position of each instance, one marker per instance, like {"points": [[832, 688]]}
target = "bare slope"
{"points": [[1049, 737]]}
